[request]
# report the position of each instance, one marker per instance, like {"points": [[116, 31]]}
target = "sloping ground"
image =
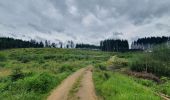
{"points": [[62, 91]]}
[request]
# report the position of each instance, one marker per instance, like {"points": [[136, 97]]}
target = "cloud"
{"points": [[84, 20]]}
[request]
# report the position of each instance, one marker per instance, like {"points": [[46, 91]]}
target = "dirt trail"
{"points": [[87, 90], [62, 91]]}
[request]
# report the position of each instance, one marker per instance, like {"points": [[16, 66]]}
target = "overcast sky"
{"points": [[84, 20]]}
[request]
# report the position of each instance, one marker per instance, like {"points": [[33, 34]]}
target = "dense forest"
{"points": [[87, 46], [114, 45], [7, 43], [149, 42], [152, 40]]}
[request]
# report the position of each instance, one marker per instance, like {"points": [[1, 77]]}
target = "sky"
{"points": [[87, 21]]}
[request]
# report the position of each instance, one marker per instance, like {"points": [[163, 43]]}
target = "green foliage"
{"points": [[115, 86], [163, 88], [51, 56], [65, 68], [2, 64], [101, 66], [161, 53], [16, 74], [156, 62], [40, 83], [2, 57], [145, 82], [40, 70]]}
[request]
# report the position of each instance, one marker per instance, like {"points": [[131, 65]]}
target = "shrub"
{"points": [[101, 66], [65, 68], [41, 83], [2, 64], [41, 61], [2, 57], [25, 58], [16, 74]]}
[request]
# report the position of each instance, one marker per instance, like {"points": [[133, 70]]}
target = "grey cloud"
{"points": [[84, 19]]}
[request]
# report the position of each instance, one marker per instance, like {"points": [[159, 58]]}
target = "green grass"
{"points": [[116, 86], [32, 73], [111, 84], [163, 87]]}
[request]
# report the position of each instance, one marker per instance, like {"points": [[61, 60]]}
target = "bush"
{"points": [[30, 87], [2, 57], [16, 74], [2, 64], [101, 66], [65, 68], [25, 58], [40, 83]]}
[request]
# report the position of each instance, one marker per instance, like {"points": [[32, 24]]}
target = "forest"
{"points": [[152, 40], [87, 46], [116, 45], [7, 43]]}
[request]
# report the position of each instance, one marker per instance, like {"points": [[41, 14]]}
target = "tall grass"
{"points": [[115, 86], [156, 62]]}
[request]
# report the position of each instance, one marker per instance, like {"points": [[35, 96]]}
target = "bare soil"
{"points": [[87, 90], [85, 87], [62, 91]]}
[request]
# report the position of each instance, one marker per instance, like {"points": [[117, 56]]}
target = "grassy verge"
{"points": [[116, 86], [159, 88]]}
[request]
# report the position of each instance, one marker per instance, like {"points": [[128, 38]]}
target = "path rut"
{"points": [[62, 91], [86, 91]]}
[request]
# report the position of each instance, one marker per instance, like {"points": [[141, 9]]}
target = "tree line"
{"points": [[7, 43], [106, 45], [114, 45], [87, 46], [110, 45], [152, 40]]}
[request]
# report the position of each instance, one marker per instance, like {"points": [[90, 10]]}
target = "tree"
{"points": [[114, 45], [61, 44], [7, 43], [53, 45]]}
